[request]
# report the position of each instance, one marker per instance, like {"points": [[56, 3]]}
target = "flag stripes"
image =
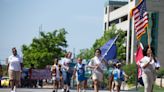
{"points": [[140, 19]]}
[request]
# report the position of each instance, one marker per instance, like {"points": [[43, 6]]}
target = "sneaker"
{"points": [[14, 90], [63, 90], [83, 90], [67, 90], [53, 91]]}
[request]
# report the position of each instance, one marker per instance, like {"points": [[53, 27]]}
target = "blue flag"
{"points": [[109, 50]]}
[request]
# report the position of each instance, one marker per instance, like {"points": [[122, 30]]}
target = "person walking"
{"points": [[67, 71], [14, 69], [97, 69], [119, 75], [33, 82], [61, 77], [148, 66], [111, 77], [55, 75], [79, 74]]}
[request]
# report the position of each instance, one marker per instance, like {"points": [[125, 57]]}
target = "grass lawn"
{"points": [[156, 89]]}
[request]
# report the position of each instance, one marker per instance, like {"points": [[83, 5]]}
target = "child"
{"points": [[80, 75], [118, 74], [110, 76], [61, 77], [55, 75]]}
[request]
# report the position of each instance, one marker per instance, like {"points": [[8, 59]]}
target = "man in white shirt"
{"points": [[14, 69]]}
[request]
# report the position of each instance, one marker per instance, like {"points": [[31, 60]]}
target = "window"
{"points": [[116, 21], [106, 10], [116, 8], [124, 18], [105, 26], [109, 24]]}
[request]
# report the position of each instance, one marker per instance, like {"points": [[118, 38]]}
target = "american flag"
{"points": [[140, 18]]}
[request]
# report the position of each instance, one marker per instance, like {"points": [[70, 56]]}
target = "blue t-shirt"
{"points": [[118, 74]]}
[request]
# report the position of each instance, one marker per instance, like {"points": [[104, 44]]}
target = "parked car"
{"points": [[5, 81]]}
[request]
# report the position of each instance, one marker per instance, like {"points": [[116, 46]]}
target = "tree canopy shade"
{"points": [[45, 48]]}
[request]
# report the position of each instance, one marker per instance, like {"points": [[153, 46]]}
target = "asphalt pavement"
{"points": [[47, 90]]}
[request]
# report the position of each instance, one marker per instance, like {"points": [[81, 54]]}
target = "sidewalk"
{"points": [[157, 82], [48, 90]]}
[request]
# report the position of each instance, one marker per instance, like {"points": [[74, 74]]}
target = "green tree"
{"points": [[108, 34], [86, 53], [43, 49]]}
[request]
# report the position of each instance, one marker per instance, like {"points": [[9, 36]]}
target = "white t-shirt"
{"points": [[65, 63], [96, 61], [15, 62], [144, 61], [57, 75], [97, 73]]}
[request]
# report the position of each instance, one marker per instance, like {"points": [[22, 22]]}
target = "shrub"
{"points": [[131, 71], [160, 72]]}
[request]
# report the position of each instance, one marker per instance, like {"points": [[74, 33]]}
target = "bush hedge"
{"points": [[131, 71]]}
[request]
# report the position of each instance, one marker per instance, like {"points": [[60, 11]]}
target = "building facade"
{"points": [[118, 12]]}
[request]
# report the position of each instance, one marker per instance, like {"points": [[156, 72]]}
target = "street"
{"points": [[47, 90]]}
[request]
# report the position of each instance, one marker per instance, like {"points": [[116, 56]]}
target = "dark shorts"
{"points": [[67, 77]]}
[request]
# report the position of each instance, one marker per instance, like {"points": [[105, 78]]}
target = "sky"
{"points": [[20, 21]]}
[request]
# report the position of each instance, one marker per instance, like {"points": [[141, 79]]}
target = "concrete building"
{"points": [[118, 12]]}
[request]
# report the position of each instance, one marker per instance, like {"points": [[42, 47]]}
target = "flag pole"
{"points": [[149, 29], [110, 47], [148, 33]]}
